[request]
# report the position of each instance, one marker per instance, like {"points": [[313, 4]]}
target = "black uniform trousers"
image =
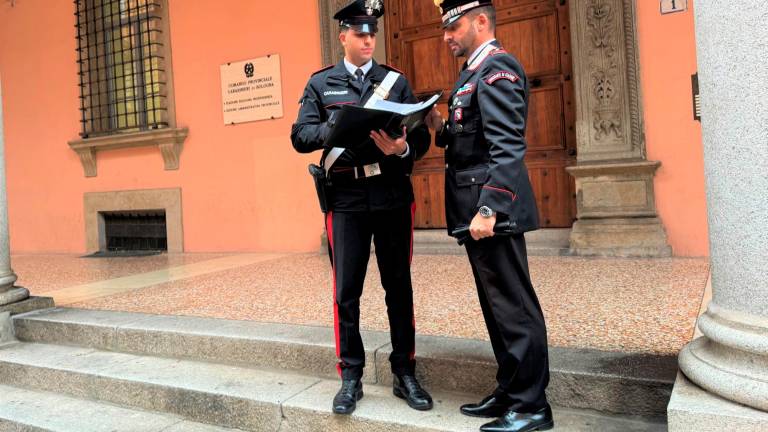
{"points": [[349, 235], [514, 319]]}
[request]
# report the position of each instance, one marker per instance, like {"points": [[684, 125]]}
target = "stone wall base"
{"points": [[620, 237]]}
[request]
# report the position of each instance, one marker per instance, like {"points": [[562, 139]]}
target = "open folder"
{"points": [[352, 125]]}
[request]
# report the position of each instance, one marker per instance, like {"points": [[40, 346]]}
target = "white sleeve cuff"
{"points": [[406, 152]]}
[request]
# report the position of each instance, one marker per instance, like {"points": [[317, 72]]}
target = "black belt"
{"points": [[357, 172]]}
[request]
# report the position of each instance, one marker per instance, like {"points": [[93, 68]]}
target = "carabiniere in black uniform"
{"points": [[484, 138], [365, 204]]}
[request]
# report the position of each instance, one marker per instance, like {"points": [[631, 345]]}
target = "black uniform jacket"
{"points": [[327, 91], [484, 139]]}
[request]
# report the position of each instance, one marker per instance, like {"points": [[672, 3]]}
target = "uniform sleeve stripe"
{"points": [[514, 197]]}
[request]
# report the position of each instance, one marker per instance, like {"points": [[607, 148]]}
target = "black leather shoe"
{"points": [[522, 422], [408, 388], [492, 406], [346, 399]]}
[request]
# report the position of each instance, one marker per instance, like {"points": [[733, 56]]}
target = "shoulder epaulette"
{"points": [[322, 70], [392, 68], [498, 51]]}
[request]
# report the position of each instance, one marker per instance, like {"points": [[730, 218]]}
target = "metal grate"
{"points": [[135, 231], [121, 66]]}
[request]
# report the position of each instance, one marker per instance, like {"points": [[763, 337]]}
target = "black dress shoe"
{"points": [[522, 422], [495, 405], [408, 388], [346, 399]]}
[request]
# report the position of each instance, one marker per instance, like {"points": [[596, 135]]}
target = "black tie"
{"points": [[359, 74]]}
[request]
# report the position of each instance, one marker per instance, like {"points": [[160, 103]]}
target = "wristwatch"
{"points": [[486, 212]]}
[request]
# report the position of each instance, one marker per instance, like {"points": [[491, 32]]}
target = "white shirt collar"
{"points": [[478, 50], [352, 68]]}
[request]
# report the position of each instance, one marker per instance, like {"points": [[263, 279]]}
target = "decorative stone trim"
{"points": [[331, 49], [169, 141], [155, 199], [609, 112]]}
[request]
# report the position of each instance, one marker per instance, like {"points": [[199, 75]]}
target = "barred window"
{"points": [[122, 74]]}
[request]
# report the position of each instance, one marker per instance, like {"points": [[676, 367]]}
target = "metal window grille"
{"points": [[121, 66]]}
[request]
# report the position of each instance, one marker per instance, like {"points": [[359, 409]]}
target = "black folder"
{"points": [[352, 125]]}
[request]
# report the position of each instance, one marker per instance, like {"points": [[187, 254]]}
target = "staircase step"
{"points": [[24, 410], [607, 382], [544, 242], [244, 398]]}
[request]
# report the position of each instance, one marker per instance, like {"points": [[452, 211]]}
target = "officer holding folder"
{"points": [[366, 193], [490, 205]]}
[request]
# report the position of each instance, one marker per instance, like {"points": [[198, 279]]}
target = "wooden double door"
{"points": [[537, 32]]}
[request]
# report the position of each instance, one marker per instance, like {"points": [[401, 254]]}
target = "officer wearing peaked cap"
{"points": [[488, 190], [370, 197]]}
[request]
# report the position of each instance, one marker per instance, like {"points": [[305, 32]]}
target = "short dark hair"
{"points": [[489, 11]]}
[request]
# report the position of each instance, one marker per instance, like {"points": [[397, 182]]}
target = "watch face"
{"points": [[486, 212]]}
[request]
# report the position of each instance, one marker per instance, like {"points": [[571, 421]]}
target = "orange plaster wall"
{"points": [[667, 61], [243, 187]]}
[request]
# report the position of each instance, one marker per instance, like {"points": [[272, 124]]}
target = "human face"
{"points": [[358, 47], [460, 36]]}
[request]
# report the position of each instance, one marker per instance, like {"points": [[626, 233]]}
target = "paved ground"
{"points": [[609, 304]]}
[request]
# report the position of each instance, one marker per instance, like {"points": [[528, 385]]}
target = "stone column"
{"points": [[8, 292], [731, 360], [614, 181]]}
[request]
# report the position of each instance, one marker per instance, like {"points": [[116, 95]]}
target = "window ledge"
{"points": [[168, 140]]}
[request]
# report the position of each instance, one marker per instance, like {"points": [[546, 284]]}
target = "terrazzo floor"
{"points": [[630, 305]]}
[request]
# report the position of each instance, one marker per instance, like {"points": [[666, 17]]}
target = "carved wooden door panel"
{"points": [[535, 31]]}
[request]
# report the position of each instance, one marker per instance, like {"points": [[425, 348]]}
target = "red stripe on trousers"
{"points": [[413, 311], [329, 230]]}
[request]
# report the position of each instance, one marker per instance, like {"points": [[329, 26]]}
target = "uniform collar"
{"points": [[352, 68], [479, 50]]}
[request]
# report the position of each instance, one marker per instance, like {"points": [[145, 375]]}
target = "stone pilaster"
{"points": [[614, 181], [730, 362]]}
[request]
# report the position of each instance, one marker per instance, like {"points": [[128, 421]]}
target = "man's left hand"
{"points": [[388, 145], [482, 227]]}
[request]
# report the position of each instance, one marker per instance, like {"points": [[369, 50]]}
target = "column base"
{"points": [[731, 359], [14, 295], [620, 237], [28, 305], [694, 409]]}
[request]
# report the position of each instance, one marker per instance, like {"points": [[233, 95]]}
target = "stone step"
{"points": [[614, 383], [544, 242], [244, 398], [24, 410]]}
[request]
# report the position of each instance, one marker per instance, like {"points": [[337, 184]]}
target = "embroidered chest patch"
{"points": [[465, 89], [458, 115], [503, 75]]}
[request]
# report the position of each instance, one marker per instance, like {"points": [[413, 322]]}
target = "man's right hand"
{"points": [[435, 120]]}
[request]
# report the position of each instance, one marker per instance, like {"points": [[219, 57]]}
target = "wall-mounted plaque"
{"points": [[251, 90], [672, 6]]}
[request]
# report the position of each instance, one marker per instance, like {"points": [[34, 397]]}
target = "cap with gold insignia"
{"points": [[452, 10], [361, 15]]}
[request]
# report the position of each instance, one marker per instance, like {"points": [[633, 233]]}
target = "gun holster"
{"points": [[322, 186]]}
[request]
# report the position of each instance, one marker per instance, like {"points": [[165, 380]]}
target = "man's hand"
{"points": [[388, 145], [434, 120], [482, 227]]}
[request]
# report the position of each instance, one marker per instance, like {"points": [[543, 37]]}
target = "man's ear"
{"points": [[482, 21], [343, 37]]}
